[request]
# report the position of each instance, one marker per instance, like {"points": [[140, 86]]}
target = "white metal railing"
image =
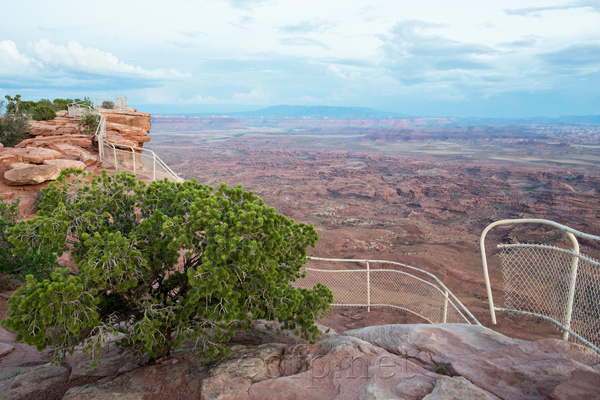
{"points": [[558, 285], [398, 286], [130, 158]]}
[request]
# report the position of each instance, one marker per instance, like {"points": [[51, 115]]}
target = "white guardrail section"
{"points": [[558, 285], [398, 286], [134, 159]]}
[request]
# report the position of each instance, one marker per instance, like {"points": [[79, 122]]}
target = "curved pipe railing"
{"points": [[572, 235], [435, 284], [77, 111]]}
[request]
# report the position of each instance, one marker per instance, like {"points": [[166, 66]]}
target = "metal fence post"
{"points": [[368, 288], [573, 281], [133, 154], [154, 167], [445, 316]]}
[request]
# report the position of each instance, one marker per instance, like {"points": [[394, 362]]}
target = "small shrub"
{"points": [[44, 102], [89, 122], [108, 104], [43, 113], [161, 263], [87, 102], [441, 369], [13, 128], [27, 106], [61, 104], [37, 261]]}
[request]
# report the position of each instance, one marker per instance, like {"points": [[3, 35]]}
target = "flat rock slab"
{"points": [[65, 164], [33, 154], [71, 149], [32, 175]]}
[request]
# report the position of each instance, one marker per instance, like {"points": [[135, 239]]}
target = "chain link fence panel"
{"points": [[363, 286], [538, 280]]}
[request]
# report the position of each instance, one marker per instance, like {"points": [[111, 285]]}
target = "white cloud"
{"points": [[347, 76], [199, 99], [77, 58], [12, 62], [255, 96]]}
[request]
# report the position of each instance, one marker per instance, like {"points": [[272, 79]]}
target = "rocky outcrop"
{"points": [[61, 125], [446, 361], [127, 126], [62, 139]]}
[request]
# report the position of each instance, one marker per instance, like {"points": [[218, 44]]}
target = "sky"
{"points": [[510, 58]]}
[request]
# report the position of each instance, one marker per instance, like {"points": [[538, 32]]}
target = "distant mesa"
{"points": [[316, 112]]}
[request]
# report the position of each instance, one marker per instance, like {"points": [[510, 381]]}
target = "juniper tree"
{"points": [[160, 263]]}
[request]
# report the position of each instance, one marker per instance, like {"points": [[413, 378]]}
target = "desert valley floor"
{"points": [[420, 199]]}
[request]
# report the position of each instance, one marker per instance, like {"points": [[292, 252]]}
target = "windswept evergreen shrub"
{"points": [[43, 113], [160, 263], [108, 104]]}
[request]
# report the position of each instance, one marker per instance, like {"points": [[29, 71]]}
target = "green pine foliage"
{"points": [[89, 122], [43, 113], [160, 263], [13, 128], [39, 261]]}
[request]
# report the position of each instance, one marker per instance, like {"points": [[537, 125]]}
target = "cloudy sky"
{"points": [[429, 57]]}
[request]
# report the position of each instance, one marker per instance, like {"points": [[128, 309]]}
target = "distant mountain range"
{"points": [[326, 112]]}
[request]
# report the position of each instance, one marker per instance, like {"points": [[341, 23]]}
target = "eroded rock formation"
{"points": [[410, 362]]}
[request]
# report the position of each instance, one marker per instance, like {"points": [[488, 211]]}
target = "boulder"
{"points": [[1, 146], [88, 159], [433, 344], [32, 175], [64, 164]]}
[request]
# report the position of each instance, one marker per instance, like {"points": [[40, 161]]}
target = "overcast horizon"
{"points": [[466, 58]]}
